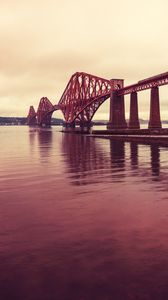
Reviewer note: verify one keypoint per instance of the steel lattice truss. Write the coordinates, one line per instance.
(44, 112)
(83, 96)
(31, 118)
(158, 80)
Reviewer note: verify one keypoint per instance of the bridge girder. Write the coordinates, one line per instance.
(82, 97)
(31, 118)
(44, 112)
(145, 84)
(84, 94)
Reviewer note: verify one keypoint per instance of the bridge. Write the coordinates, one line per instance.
(85, 93)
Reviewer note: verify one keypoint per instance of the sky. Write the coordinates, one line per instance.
(42, 43)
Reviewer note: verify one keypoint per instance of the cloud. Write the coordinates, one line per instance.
(44, 42)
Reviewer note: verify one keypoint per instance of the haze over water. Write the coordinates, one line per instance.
(82, 218)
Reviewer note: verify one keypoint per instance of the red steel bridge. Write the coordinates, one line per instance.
(85, 93)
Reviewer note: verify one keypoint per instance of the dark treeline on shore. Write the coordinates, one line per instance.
(23, 121)
(54, 121)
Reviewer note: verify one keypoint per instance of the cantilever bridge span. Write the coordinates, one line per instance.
(85, 93)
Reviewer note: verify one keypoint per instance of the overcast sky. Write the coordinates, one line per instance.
(44, 42)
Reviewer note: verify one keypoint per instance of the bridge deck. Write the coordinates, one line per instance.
(145, 84)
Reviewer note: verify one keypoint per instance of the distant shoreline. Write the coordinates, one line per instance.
(5, 121)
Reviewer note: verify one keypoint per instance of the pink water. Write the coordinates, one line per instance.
(82, 218)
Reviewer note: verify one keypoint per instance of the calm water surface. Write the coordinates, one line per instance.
(82, 218)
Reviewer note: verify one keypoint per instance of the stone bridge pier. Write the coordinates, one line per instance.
(117, 119)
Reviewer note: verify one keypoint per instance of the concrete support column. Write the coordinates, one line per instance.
(84, 123)
(69, 125)
(86, 127)
(154, 121)
(117, 112)
(134, 120)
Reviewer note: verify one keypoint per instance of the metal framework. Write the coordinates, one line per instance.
(44, 112)
(83, 96)
(145, 84)
(31, 118)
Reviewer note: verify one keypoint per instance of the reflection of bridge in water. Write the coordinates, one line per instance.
(83, 157)
(91, 160)
(42, 140)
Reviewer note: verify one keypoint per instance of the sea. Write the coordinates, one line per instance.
(82, 218)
